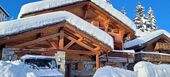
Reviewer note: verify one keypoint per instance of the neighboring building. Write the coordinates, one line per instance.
(153, 47)
(3, 15)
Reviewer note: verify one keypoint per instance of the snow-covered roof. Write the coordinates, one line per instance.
(36, 57)
(139, 33)
(152, 53)
(43, 20)
(124, 51)
(49, 4)
(146, 38)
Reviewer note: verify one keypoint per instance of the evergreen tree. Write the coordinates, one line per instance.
(140, 19)
(151, 20)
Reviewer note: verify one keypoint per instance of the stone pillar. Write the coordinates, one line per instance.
(61, 60)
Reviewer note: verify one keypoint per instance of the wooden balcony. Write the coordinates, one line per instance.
(162, 46)
(164, 58)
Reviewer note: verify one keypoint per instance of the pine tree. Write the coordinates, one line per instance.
(151, 20)
(123, 10)
(140, 19)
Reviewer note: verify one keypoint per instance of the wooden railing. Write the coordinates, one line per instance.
(154, 57)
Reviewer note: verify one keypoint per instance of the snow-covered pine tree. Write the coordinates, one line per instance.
(123, 10)
(152, 26)
(140, 19)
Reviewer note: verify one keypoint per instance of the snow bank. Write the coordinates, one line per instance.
(146, 69)
(141, 69)
(44, 20)
(49, 4)
(109, 71)
(15, 69)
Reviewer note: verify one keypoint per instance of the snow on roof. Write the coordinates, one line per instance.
(48, 4)
(35, 57)
(39, 21)
(146, 38)
(152, 53)
(124, 51)
(139, 33)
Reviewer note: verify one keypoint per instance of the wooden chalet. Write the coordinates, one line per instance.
(58, 31)
(97, 12)
(152, 47)
(78, 32)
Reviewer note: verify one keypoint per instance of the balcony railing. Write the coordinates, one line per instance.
(153, 57)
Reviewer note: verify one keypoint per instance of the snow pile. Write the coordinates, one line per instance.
(146, 69)
(109, 71)
(15, 69)
(141, 69)
(44, 20)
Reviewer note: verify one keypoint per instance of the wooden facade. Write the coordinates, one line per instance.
(155, 58)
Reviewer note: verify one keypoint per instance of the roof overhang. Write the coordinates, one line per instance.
(142, 41)
(18, 26)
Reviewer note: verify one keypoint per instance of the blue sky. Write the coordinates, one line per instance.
(160, 7)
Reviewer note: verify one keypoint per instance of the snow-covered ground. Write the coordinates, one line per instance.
(141, 69)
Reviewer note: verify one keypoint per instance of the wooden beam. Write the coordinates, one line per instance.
(36, 40)
(80, 43)
(69, 44)
(61, 40)
(89, 38)
(51, 50)
(97, 61)
(53, 44)
(85, 9)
